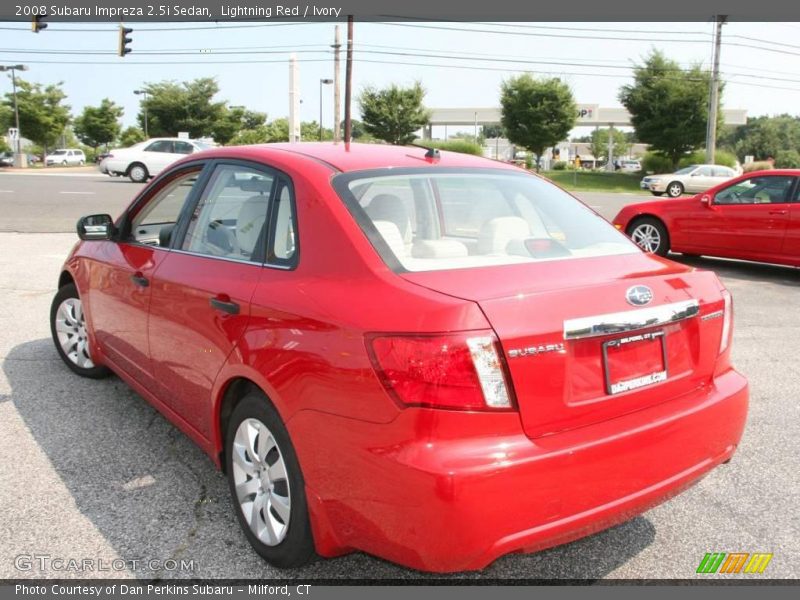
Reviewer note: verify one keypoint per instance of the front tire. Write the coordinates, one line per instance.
(138, 173)
(650, 235)
(68, 327)
(266, 484)
(674, 189)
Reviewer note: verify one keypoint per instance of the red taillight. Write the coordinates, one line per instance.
(457, 371)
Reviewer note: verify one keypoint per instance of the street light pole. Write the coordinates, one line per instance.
(14, 68)
(144, 108)
(321, 83)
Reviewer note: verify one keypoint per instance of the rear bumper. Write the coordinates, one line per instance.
(431, 492)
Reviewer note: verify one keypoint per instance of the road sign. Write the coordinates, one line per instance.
(13, 133)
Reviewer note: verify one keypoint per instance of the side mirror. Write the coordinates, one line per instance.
(705, 200)
(96, 227)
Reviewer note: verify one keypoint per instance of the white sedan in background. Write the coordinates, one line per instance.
(146, 159)
(692, 179)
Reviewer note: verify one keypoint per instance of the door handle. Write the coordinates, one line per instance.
(227, 306)
(778, 212)
(140, 280)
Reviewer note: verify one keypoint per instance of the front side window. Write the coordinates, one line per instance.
(703, 172)
(686, 170)
(475, 218)
(155, 222)
(757, 190)
(230, 219)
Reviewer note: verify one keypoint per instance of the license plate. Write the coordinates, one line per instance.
(635, 361)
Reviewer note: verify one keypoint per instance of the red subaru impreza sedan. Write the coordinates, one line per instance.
(435, 359)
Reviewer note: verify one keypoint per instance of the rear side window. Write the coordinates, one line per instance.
(160, 146)
(439, 219)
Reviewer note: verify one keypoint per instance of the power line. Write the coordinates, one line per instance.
(398, 63)
(553, 35)
(400, 51)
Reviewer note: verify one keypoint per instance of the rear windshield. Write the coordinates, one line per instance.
(439, 219)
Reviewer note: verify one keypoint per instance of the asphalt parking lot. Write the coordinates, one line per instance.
(89, 470)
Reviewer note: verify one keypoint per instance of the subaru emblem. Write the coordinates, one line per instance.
(639, 295)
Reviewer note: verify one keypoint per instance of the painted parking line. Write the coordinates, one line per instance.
(6, 191)
(86, 193)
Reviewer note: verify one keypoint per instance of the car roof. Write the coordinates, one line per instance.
(358, 157)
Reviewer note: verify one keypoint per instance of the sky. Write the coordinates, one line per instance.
(463, 63)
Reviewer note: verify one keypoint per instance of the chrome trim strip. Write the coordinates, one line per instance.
(631, 320)
(712, 315)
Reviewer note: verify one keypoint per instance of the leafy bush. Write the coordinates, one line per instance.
(559, 165)
(462, 146)
(787, 159)
(653, 162)
(698, 157)
(758, 165)
(724, 158)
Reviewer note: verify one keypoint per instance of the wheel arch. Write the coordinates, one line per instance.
(230, 392)
(65, 278)
(644, 215)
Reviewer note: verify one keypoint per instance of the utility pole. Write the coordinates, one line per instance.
(348, 80)
(337, 102)
(19, 159)
(713, 100)
(294, 101)
(144, 109)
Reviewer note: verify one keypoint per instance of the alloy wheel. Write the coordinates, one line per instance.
(261, 482)
(71, 331)
(647, 237)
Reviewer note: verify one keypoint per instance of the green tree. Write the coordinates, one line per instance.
(309, 132)
(599, 141)
(98, 125)
(131, 136)
(763, 137)
(493, 130)
(395, 113)
(43, 116)
(537, 113)
(357, 131)
(187, 106)
(235, 119)
(668, 105)
(787, 159)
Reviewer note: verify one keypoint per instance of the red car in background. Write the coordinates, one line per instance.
(434, 358)
(753, 217)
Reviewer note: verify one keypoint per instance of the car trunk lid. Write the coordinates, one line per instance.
(578, 348)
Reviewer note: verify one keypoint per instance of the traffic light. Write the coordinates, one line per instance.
(37, 23)
(124, 40)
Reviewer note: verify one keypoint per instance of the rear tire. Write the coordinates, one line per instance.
(68, 328)
(650, 235)
(138, 173)
(266, 484)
